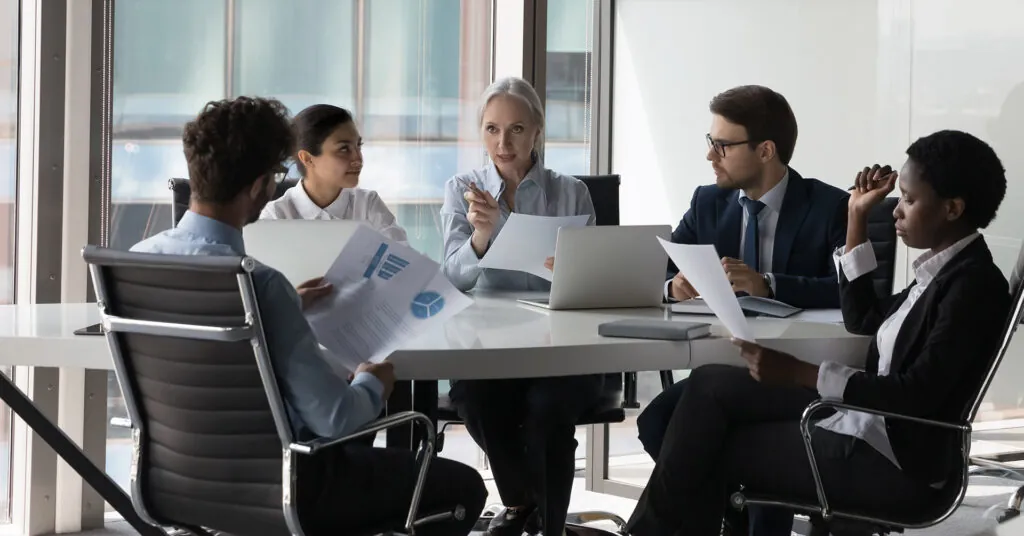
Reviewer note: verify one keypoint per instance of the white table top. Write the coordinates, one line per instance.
(495, 338)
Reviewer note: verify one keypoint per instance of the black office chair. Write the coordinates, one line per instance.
(882, 234)
(213, 448)
(839, 520)
(181, 193)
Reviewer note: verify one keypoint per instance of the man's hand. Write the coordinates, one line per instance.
(772, 367)
(549, 263)
(871, 185)
(681, 289)
(744, 279)
(384, 372)
(311, 291)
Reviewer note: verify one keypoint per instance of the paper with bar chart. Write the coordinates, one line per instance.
(385, 294)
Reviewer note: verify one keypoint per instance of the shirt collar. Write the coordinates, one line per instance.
(773, 198)
(929, 264)
(215, 231)
(494, 184)
(309, 210)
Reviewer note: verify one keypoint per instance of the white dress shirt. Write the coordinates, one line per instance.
(351, 204)
(832, 377)
(767, 223)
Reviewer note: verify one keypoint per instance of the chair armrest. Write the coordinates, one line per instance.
(391, 421)
(831, 403)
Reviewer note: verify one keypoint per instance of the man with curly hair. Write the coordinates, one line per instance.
(235, 151)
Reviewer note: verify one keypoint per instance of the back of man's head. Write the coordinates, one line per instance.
(232, 143)
(765, 114)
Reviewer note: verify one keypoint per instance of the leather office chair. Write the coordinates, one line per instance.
(213, 449)
(839, 520)
(882, 234)
(181, 193)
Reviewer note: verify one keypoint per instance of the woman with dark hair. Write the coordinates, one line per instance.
(930, 351)
(329, 156)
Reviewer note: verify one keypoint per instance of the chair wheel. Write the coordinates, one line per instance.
(1007, 515)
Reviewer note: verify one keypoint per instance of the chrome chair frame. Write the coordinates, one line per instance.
(827, 513)
(251, 330)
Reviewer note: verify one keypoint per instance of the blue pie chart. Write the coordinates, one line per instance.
(427, 304)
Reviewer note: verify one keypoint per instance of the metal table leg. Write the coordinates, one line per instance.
(68, 451)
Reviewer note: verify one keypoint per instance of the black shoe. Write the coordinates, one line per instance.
(514, 522)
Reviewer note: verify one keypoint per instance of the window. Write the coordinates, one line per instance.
(9, 65)
(570, 43)
(411, 72)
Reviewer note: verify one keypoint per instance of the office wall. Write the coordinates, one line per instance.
(864, 78)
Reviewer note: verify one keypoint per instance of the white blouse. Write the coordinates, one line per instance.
(352, 204)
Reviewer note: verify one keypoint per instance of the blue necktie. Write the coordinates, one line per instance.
(752, 238)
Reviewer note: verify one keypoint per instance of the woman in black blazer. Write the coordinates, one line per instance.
(931, 350)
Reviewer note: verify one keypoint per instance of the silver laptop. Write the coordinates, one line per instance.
(299, 249)
(607, 267)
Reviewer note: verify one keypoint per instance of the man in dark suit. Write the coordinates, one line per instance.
(774, 229)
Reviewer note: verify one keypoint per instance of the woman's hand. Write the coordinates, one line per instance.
(776, 368)
(549, 263)
(870, 187)
(483, 216)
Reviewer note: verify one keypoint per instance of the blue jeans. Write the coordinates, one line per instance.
(651, 426)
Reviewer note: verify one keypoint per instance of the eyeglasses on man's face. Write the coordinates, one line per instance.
(719, 146)
(279, 173)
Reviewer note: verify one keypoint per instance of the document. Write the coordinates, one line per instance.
(702, 267)
(525, 242)
(385, 294)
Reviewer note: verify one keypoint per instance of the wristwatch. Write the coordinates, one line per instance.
(768, 285)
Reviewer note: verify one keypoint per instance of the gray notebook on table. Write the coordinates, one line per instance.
(644, 328)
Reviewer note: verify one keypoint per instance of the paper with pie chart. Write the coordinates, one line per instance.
(386, 293)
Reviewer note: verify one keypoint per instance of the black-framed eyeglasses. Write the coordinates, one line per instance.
(279, 173)
(720, 145)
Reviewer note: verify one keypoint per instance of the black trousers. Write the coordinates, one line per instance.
(652, 423)
(527, 429)
(357, 489)
(729, 430)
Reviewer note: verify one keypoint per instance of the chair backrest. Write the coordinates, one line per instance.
(604, 192)
(882, 234)
(209, 425)
(181, 192)
(1009, 328)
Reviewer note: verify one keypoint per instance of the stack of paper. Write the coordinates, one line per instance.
(385, 294)
(526, 241)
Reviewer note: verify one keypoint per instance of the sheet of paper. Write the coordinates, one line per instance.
(386, 293)
(526, 241)
(702, 267)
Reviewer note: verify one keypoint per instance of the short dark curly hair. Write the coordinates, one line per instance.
(957, 164)
(232, 143)
(765, 114)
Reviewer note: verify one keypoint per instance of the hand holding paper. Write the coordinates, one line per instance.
(526, 242)
(702, 267)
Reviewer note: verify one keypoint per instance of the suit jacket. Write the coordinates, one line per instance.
(812, 223)
(942, 355)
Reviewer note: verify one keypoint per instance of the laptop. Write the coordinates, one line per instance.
(299, 249)
(607, 267)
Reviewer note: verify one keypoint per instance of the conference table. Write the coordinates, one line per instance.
(496, 337)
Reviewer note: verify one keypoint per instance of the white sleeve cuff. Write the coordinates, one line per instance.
(832, 379)
(771, 283)
(859, 261)
(668, 286)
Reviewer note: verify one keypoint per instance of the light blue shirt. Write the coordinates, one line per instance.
(541, 193)
(319, 402)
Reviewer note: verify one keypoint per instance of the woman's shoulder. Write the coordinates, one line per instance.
(561, 181)
(280, 208)
(476, 176)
